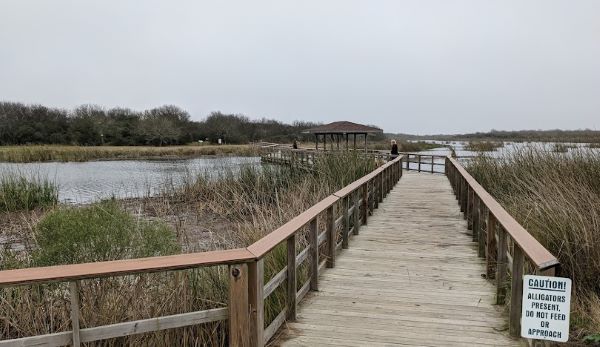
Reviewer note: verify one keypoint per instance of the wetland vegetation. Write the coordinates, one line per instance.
(204, 213)
(556, 197)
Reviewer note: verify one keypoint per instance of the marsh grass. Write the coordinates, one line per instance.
(18, 192)
(483, 146)
(26, 154)
(253, 200)
(556, 197)
(404, 146)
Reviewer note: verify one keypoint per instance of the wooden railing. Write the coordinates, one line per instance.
(507, 247)
(306, 158)
(342, 214)
(431, 163)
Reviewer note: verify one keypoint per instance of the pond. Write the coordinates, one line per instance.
(86, 182)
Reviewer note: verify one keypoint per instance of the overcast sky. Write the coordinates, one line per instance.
(407, 66)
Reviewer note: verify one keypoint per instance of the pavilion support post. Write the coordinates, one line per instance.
(347, 148)
(325, 142)
(317, 142)
(354, 142)
(366, 149)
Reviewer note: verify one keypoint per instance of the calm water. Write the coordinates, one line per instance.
(91, 181)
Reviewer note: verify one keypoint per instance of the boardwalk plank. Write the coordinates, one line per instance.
(411, 278)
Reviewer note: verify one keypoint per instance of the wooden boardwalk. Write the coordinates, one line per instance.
(411, 278)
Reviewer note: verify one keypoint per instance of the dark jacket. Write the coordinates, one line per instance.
(395, 149)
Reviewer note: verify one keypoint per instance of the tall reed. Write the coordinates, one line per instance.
(18, 192)
(556, 197)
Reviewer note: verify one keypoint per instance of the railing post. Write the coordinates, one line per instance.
(74, 289)
(463, 195)
(356, 214)
(380, 197)
(407, 162)
(365, 203)
(419, 159)
(481, 238)
(239, 323)
(314, 255)
(432, 162)
(469, 207)
(375, 193)
(291, 277)
(256, 278)
(516, 291)
(346, 214)
(475, 215)
(331, 238)
(501, 265)
(371, 189)
(491, 258)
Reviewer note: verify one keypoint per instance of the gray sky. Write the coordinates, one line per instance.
(408, 66)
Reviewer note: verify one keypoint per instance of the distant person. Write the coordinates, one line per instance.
(394, 150)
(295, 145)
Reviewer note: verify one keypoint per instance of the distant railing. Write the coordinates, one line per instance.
(304, 158)
(507, 247)
(431, 163)
(343, 213)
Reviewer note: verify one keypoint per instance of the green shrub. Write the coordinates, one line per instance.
(100, 232)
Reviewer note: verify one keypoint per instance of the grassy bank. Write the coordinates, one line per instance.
(247, 204)
(20, 193)
(556, 197)
(25, 154)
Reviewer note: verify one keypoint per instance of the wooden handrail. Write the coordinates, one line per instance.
(481, 208)
(64, 273)
(533, 249)
(270, 241)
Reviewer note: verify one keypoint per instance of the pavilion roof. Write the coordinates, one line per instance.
(343, 127)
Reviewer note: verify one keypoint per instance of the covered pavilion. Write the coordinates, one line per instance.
(340, 131)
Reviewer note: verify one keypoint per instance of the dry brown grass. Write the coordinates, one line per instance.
(556, 197)
(25, 154)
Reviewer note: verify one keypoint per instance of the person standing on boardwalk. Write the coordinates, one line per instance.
(394, 150)
(295, 145)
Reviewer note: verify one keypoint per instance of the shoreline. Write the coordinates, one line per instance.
(51, 153)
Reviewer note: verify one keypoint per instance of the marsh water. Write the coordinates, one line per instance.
(464, 155)
(91, 181)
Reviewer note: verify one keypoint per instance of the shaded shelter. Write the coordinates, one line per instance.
(340, 131)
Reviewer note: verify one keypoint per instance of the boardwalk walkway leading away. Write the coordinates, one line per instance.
(412, 277)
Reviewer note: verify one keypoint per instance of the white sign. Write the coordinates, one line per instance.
(546, 308)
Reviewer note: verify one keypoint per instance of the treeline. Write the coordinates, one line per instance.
(556, 135)
(91, 125)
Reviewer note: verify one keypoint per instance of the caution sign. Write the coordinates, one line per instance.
(546, 308)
